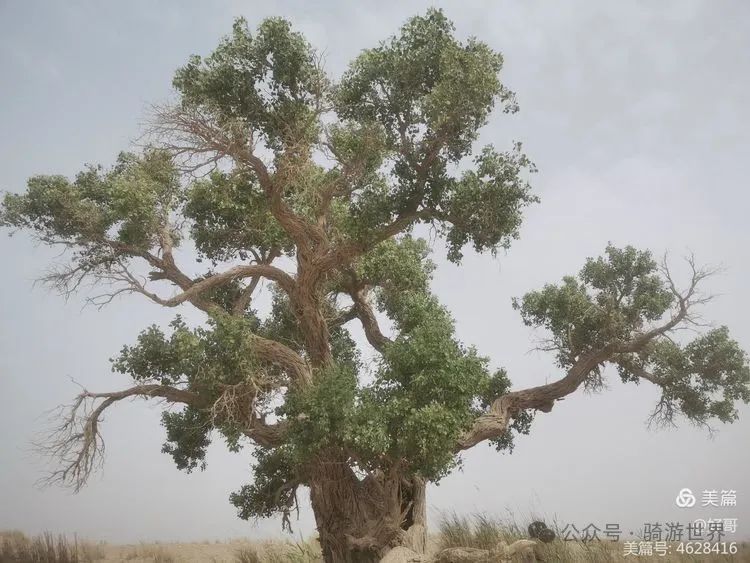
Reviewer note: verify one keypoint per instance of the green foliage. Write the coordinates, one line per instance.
(188, 436)
(395, 266)
(127, 203)
(521, 424)
(270, 81)
(627, 279)
(219, 354)
(484, 207)
(158, 358)
(321, 416)
(281, 325)
(364, 145)
(701, 380)
(230, 215)
(405, 111)
(273, 488)
(424, 82)
(613, 300)
(207, 360)
(613, 297)
(428, 384)
(495, 386)
(421, 98)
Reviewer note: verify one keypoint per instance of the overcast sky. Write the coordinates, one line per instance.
(636, 114)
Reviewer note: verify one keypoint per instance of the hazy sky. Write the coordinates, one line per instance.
(635, 113)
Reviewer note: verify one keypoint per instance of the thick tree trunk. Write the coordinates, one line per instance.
(360, 520)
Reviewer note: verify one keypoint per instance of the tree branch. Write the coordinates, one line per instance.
(344, 253)
(191, 133)
(284, 280)
(236, 405)
(76, 445)
(366, 315)
(267, 435)
(494, 423)
(241, 304)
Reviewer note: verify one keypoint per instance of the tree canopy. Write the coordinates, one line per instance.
(266, 169)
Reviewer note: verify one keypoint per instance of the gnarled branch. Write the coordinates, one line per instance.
(76, 445)
(284, 280)
(366, 315)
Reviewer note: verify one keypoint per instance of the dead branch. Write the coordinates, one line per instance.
(76, 445)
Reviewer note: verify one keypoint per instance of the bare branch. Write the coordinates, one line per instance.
(663, 414)
(193, 136)
(117, 273)
(76, 445)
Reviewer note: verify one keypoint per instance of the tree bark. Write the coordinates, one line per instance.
(360, 520)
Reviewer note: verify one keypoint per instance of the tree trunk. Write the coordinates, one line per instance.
(360, 520)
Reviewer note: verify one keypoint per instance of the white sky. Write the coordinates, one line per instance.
(636, 115)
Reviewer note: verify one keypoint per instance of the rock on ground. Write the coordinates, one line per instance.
(402, 555)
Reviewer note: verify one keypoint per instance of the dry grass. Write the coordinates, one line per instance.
(279, 552)
(235, 551)
(150, 552)
(46, 548)
(478, 531)
(15, 547)
(485, 532)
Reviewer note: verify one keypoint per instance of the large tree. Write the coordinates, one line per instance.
(278, 176)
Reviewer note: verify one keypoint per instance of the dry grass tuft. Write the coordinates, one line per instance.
(15, 547)
(280, 552)
(247, 555)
